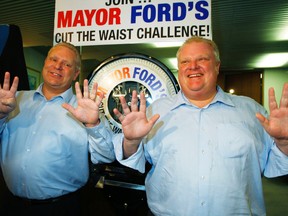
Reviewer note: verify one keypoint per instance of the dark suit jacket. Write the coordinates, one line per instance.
(12, 55)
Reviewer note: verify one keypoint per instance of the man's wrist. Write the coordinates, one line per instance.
(282, 145)
(92, 125)
(130, 147)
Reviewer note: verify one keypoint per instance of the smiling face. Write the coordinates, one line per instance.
(59, 70)
(198, 71)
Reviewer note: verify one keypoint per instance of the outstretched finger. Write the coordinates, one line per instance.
(93, 92)
(78, 91)
(99, 98)
(284, 97)
(263, 121)
(14, 86)
(142, 102)
(85, 89)
(6, 82)
(272, 100)
(153, 119)
(68, 107)
(125, 107)
(119, 115)
(134, 101)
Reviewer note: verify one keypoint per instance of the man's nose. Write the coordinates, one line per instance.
(193, 65)
(59, 65)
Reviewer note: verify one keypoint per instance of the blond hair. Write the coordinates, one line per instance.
(74, 49)
(201, 39)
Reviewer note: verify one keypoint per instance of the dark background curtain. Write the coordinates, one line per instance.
(12, 55)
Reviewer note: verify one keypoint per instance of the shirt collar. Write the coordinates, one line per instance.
(220, 97)
(66, 96)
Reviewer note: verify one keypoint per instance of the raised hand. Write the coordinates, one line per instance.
(7, 95)
(277, 123)
(87, 110)
(135, 124)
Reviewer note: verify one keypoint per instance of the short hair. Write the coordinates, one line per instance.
(74, 49)
(201, 39)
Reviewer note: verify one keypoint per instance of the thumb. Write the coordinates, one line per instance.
(261, 118)
(68, 107)
(263, 121)
(153, 119)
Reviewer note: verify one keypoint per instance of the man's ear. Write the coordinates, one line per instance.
(76, 75)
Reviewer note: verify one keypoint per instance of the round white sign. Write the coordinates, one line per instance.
(120, 75)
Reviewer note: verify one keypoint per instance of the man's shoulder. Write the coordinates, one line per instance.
(165, 101)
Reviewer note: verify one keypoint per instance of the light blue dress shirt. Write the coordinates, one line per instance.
(44, 150)
(206, 161)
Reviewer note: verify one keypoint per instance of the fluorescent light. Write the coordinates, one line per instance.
(167, 44)
(283, 35)
(272, 60)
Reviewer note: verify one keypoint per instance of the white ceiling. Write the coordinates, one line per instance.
(243, 30)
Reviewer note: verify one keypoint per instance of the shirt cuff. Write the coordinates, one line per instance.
(277, 164)
(100, 143)
(100, 129)
(136, 161)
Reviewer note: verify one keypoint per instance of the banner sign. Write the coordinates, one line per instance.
(96, 22)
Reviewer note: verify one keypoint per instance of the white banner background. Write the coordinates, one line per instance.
(96, 22)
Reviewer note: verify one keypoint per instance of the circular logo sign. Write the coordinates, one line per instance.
(120, 75)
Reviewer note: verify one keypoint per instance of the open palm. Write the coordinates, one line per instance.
(87, 110)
